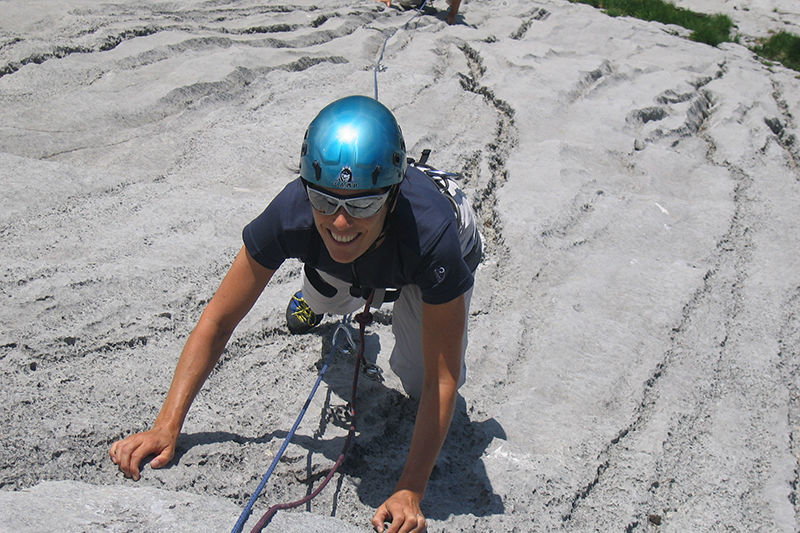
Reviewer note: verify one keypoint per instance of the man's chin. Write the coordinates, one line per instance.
(345, 260)
(344, 254)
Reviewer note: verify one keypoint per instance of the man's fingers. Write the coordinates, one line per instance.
(129, 453)
(411, 524)
(394, 527)
(126, 454)
(399, 524)
(379, 518)
(125, 451)
(117, 453)
(137, 457)
(162, 459)
(403, 511)
(408, 524)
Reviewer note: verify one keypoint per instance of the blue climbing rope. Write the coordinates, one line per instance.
(419, 9)
(248, 509)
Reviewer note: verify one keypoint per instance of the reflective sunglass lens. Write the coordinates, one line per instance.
(358, 207)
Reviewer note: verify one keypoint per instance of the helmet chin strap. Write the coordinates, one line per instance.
(392, 203)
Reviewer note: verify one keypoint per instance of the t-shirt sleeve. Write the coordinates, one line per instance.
(280, 231)
(442, 274)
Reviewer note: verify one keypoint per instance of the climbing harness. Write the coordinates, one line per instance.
(419, 10)
(364, 319)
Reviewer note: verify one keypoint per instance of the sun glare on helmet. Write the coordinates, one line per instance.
(347, 134)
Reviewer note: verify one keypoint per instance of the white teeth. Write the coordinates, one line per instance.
(343, 238)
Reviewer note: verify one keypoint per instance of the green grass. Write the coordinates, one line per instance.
(710, 29)
(783, 47)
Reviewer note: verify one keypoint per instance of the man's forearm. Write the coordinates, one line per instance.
(198, 358)
(443, 328)
(434, 415)
(236, 295)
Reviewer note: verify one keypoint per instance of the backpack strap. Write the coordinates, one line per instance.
(446, 183)
(425, 155)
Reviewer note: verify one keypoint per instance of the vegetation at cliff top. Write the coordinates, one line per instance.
(710, 29)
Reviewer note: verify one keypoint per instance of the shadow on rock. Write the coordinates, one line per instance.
(458, 484)
(385, 422)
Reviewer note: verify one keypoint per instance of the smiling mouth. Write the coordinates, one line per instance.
(343, 239)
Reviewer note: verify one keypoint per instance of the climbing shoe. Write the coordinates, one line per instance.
(299, 316)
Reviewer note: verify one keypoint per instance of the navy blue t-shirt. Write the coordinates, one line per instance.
(421, 245)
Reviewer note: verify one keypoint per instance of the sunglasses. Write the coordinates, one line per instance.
(356, 206)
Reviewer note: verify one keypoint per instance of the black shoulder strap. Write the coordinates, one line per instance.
(425, 155)
(440, 178)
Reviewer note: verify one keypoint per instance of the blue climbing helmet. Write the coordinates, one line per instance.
(353, 143)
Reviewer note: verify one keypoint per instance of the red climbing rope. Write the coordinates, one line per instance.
(364, 318)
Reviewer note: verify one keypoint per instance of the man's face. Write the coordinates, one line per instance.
(345, 236)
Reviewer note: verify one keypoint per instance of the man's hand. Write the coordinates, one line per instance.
(402, 510)
(241, 287)
(129, 453)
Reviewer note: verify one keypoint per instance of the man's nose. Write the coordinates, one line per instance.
(341, 219)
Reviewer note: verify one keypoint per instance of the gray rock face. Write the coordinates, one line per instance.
(74, 506)
(634, 331)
